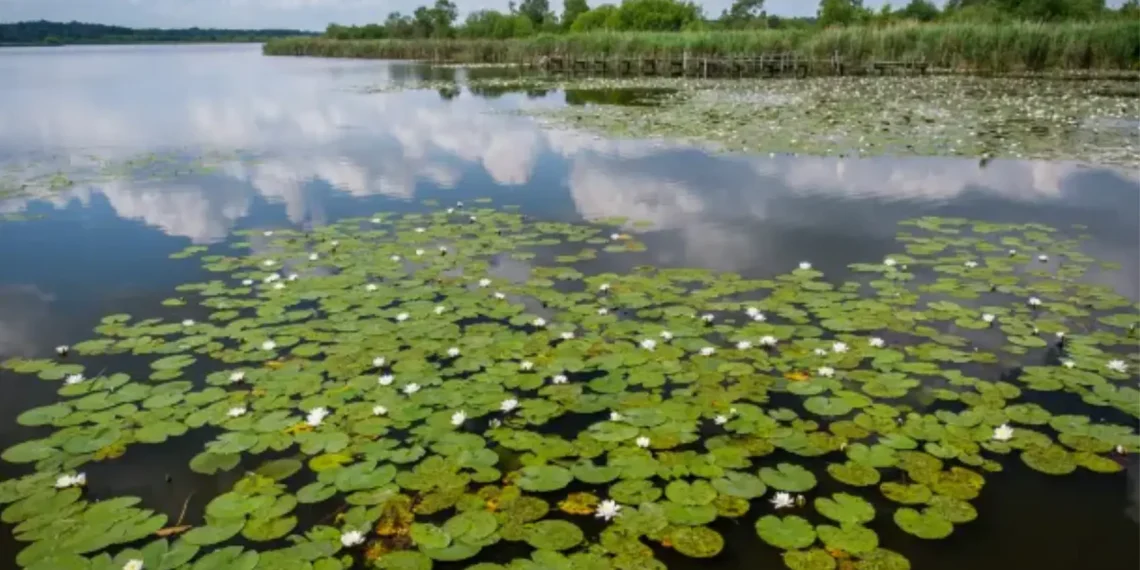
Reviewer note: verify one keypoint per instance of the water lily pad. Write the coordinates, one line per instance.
(845, 509)
(788, 477)
(553, 535)
(429, 536)
(696, 541)
(544, 478)
(926, 524)
(1052, 460)
(814, 559)
(789, 533)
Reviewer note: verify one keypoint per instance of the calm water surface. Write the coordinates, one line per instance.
(309, 147)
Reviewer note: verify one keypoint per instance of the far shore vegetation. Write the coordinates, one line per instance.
(990, 35)
(64, 33)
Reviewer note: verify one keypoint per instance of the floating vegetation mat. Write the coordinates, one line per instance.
(43, 177)
(383, 400)
(1093, 121)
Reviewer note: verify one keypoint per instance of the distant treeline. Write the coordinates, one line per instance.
(535, 17)
(60, 33)
(971, 47)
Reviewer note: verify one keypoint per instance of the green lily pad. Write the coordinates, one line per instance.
(788, 477)
(788, 533)
(696, 541)
(845, 509)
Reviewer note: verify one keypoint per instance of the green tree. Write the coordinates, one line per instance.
(537, 10)
(658, 15)
(604, 17)
(840, 12)
(571, 9)
(921, 10)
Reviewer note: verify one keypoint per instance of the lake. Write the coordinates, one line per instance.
(224, 140)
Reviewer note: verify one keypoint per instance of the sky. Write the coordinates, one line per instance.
(297, 14)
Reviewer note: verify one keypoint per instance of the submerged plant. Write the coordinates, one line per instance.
(436, 436)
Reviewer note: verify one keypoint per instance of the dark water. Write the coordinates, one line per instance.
(314, 148)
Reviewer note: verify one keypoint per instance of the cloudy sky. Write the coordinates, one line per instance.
(303, 14)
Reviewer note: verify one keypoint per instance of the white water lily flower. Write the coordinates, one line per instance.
(335, 242)
(708, 317)
(720, 420)
(1034, 302)
(615, 417)
(411, 389)
(526, 365)
(453, 351)
(768, 340)
(876, 342)
(752, 311)
(826, 371)
(759, 317)
(386, 380)
(73, 379)
(539, 322)
(376, 220)
(494, 423)
(1068, 363)
(805, 265)
(608, 510)
(420, 230)
(484, 282)
(237, 376)
(666, 335)
(473, 218)
(188, 323)
(313, 257)
(272, 277)
(603, 311)
(839, 347)
(379, 410)
(568, 335)
(560, 379)
(783, 500)
(133, 564)
(294, 277)
(1060, 334)
(458, 418)
(1003, 433)
(443, 248)
(708, 351)
(395, 258)
(1117, 366)
(820, 352)
(269, 262)
(378, 362)
(971, 264)
(648, 344)
(988, 317)
(890, 262)
(615, 237)
(402, 317)
(371, 287)
(604, 287)
(352, 538)
(268, 233)
(439, 309)
(1042, 257)
(247, 282)
(743, 345)
(642, 441)
(65, 481)
(500, 296)
(316, 416)
(508, 405)
(268, 345)
(278, 286)
(1013, 252)
(419, 252)
(236, 412)
(451, 210)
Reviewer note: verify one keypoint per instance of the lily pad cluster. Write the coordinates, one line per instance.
(384, 397)
(1092, 121)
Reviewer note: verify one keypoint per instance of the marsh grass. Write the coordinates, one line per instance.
(1015, 47)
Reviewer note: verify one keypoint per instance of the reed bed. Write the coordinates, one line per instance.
(1026, 46)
